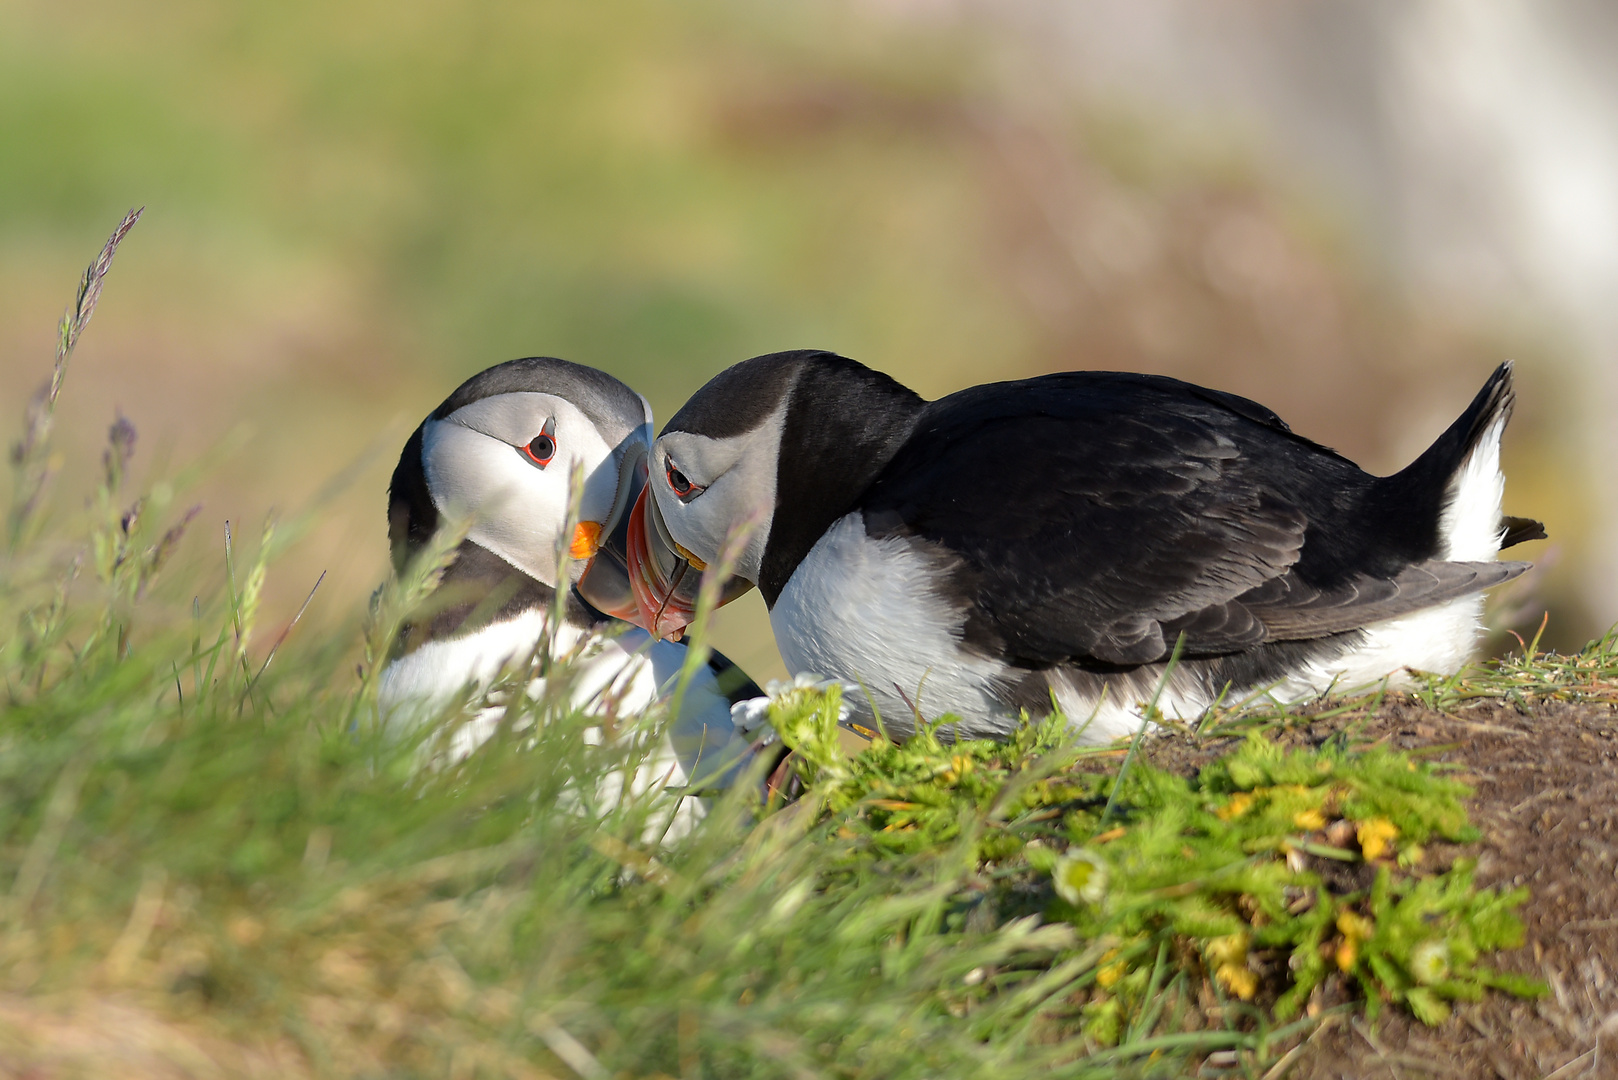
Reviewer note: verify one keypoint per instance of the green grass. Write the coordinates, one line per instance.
(234, 847)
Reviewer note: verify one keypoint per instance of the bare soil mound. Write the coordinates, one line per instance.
(1546, 799)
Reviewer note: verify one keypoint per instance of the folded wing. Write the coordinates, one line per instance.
(1096, 517)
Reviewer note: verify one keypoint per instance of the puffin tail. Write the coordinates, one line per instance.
(1459, 476)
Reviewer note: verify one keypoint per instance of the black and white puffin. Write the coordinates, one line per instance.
(1051, 539)
(499, 452)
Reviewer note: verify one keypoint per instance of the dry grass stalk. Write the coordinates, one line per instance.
(30, 454)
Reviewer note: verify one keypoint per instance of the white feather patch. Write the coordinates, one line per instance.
(867, 611)
(1470, 525)
(624, 675)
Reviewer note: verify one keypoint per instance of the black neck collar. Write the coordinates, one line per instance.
(480, 588)
(843, 423)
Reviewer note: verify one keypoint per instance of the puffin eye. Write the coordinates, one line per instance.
(543, 446)
(681, 486)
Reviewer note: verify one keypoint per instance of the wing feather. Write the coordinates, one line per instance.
(1095, 517)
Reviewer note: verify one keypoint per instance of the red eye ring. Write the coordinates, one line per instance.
(541, 450)
(678, 482)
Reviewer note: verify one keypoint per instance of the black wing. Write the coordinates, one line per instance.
(1096, 516)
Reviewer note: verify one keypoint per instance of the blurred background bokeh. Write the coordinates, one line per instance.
(1351, 212)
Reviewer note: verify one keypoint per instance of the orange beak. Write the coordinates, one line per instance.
(637, 571)
(586, 540)
(604, 585)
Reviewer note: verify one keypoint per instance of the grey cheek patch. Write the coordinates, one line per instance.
(741, 476)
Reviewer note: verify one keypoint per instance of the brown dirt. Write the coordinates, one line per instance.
(1546, 802)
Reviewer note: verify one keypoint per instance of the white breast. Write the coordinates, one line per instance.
(869, 611)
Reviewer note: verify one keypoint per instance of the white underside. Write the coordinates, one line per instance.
(626, 675)
(864, 610)
(1440, 639)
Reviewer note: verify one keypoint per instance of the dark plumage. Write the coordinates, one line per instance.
(1098, 515)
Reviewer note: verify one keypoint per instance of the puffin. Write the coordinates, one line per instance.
(1078, 542)
(499, 453)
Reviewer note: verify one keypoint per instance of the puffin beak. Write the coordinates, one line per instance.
(666, 578)
(586, 540)
(665, 583)
(605, 582)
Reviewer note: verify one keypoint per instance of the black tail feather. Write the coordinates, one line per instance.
(1521, 530)
(1419, 492)
(1494, 402)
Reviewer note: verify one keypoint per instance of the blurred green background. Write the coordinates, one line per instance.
(353, 206)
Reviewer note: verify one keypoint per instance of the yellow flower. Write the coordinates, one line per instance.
(1108, 976)
(1347, 951)
(1229, 957)
(1374, 837)
(1238, 805)
(1238, 980)
(1354, 925)
(1229, 949)
(1310, 819)
(1355, 929)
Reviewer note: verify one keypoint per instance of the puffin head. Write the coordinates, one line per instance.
(500, 452)
(782, 445)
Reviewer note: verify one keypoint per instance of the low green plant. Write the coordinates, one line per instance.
(1267, 872)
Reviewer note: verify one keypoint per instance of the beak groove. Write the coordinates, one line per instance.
(664, 583)
(638, 572)
(665, 576)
